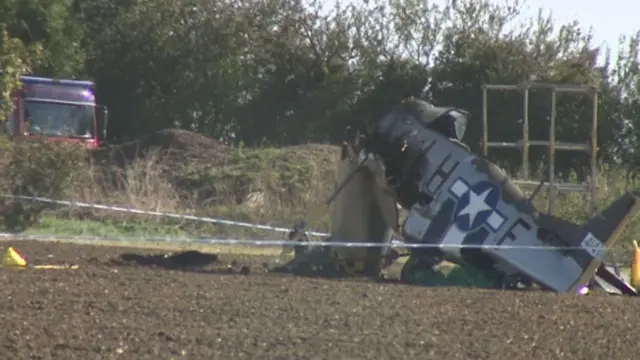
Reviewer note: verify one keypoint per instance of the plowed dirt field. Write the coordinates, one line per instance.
(109, 310)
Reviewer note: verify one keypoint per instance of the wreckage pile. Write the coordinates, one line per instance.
(462, 209)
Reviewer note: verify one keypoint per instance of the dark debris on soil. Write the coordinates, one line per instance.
(179, 260)
(105, 310)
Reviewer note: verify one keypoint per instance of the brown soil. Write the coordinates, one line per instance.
(181, 146)
(110, 310)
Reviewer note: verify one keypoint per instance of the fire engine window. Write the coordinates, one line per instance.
(56, 119)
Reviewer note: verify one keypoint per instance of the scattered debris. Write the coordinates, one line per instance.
(185, 259)
(245, 270)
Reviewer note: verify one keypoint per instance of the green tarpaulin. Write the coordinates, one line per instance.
(459, 275)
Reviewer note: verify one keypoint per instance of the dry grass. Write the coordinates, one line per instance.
(141, 185)
(271, 186)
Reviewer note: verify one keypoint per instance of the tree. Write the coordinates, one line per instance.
(39, 37)
(288, 72)
(52, 26)
(477, 49)
(161, 63)
(16, 59)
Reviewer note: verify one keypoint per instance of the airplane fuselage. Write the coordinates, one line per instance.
(470, 211)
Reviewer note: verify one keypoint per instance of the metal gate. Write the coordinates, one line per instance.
(525, 143)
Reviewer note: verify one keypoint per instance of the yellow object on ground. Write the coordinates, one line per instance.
(56, 267)
(13, 259)
(635, 266)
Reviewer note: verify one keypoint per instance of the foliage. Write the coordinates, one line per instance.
(268, 73)
(289, 176)
(41, 168)
(16, 60)
(285, 73)
(292, 72)
(51, 26)
(37, 37)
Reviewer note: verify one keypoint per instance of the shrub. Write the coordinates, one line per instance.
(39, 168)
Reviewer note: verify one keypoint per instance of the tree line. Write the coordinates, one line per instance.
(283, 72)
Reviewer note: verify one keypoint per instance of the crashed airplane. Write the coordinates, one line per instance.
(463, 208)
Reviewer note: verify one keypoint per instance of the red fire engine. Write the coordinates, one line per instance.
(58, 110)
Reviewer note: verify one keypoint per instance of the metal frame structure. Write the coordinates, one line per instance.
(525, 143)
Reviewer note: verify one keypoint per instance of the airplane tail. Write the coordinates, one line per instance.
(601, 232)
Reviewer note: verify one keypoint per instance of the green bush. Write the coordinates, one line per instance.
(38, 168)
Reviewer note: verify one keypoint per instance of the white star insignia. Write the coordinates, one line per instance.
(477, 204)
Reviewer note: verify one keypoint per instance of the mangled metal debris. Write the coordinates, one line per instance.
(462, 206)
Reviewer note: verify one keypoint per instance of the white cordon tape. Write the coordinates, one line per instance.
(245, 242)
(248, 242)
(157, 213)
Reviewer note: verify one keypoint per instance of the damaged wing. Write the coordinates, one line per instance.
(362, 211)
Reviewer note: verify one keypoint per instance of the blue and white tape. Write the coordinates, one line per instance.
(242, 242)
(160, 214)
(273, 243)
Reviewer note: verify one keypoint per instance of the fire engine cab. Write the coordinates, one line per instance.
(57, 110)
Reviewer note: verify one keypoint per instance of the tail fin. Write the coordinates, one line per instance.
(601, 232)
